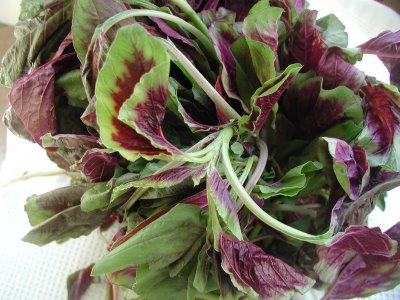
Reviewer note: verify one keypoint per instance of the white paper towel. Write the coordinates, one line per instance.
(33, 273)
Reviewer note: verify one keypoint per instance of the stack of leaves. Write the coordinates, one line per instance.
(233, 143)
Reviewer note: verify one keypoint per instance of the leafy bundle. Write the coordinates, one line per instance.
(233, 142)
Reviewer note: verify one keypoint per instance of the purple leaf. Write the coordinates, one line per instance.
(369, 274)
(78, 283)
(306, 45)
(313, 110)
(365, 240)
(132, 89)
(359, 240)
(253, 271)
(33, 96)
(336, 71)
(98, 165)
(299, 5)
(218, 192)
(381, 135)
(350, 166)
(164, 179)
(384, 45)
(387, 47)
(224, 34)
(170, 32)
(67, 149)
(199, 199)
(267, 96)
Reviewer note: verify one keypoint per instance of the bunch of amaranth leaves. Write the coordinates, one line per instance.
(233, 143)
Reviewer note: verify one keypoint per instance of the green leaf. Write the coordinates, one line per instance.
(218, 193)
(32, 36)
(72, 84)
(131, 93)
(69, 223)
(292, 182)
(98, 197)
(255, 65)
(176, 267)
(204, 280)
(261, 24)
(88, 14)
(31, 8)
(333, 31)
(159, 244)
(157, 284)
(265, 98)
(42, 207)
(380, 201)
(125, 277)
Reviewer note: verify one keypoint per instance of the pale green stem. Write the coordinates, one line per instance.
(173, 164)
(29, 175)
(244, 176)
(247, 169)
(202, 82)
(188, 10)
(258, 211)
(295, 209)
(204, 39)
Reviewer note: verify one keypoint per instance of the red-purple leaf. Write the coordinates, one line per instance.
(267, 96)
(313, 110)
(255, 272)
(33, 96)
(218, 192)
(336, 71)
(350, 166)
(98, 165)
(164, 179)
(306, 45)
(199, 199)
(78, 283)
(359, 240)
(386, 46)
(365, 240)
(224, 34)
(132, 89)
(381, 135)
(366, 275)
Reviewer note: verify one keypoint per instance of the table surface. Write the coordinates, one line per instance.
(30, 272)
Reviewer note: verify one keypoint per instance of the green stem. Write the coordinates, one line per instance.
(202, 82)
(29, 175)
(258, 211)
(244, 176)
(191, 14)
(294, 208)
(142, 3)
(204, 39)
